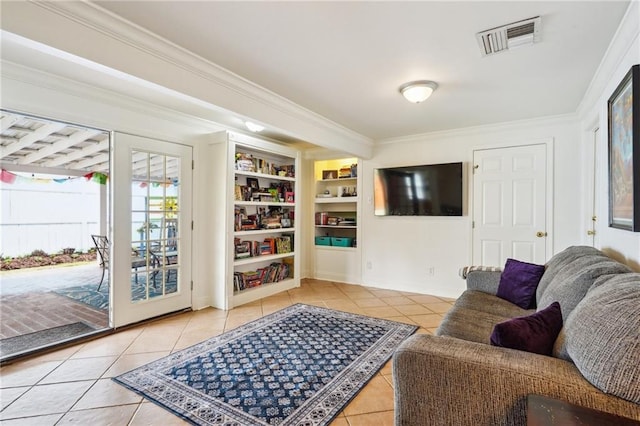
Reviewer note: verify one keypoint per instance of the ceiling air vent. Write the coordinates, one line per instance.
(509, 36)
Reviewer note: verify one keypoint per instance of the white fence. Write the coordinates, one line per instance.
(48, 216)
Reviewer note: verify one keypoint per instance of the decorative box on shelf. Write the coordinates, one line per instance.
(341, 241)
(323, 241)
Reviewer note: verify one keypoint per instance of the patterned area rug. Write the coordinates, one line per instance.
(298, 366)
(90, 295)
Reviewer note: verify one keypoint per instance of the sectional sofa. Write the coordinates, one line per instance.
(467, 375)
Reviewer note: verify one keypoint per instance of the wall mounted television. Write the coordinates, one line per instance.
(423, 190)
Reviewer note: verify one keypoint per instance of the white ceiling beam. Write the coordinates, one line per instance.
(41, 170)
(102, 168)
(78, 154)
(8, 120)
(27, 140)
(90, 162)
(67, 142)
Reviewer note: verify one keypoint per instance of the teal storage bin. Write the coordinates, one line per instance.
(323, 241)
(341, 241)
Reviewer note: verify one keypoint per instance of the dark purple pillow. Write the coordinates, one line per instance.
(534, 333)
(518, 283)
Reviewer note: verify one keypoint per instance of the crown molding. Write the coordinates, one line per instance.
(186, 123)
(108, 24)
(533, 123)
(627, 34)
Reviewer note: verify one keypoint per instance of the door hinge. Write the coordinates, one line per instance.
(191, 285)
(193, 164)
(192, 225)
(473, 224)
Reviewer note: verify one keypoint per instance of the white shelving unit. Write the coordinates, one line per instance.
(337, 214)
(255, 216)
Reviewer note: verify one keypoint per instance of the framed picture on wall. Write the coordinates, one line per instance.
(624, 153)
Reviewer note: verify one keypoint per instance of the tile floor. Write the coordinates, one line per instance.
(74, 386)
(28, 302)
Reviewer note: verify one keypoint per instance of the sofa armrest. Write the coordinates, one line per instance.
(485, 281)
(447, 381)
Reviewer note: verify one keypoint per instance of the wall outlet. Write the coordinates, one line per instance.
(369, 265)
(431, 271)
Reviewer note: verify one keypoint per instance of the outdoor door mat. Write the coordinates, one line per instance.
(24, 342)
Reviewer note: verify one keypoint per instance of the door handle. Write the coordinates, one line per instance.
(541, 234)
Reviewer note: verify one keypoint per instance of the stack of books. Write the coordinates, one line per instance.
(270, 274)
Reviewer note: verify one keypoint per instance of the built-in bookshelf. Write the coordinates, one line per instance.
(336, 215)
(261, 227)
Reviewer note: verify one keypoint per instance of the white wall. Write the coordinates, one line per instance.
(48, 216)
(623, 52)
(401, 250)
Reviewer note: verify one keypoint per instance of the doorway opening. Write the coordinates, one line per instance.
(54, 286)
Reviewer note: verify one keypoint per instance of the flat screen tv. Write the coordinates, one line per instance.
(425, 190)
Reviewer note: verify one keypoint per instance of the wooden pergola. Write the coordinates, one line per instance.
(36, 145)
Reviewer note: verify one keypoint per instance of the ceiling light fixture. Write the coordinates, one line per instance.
(418, 91)
(253, 126)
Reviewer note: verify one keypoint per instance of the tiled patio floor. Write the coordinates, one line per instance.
(29, 304)
(30, 312)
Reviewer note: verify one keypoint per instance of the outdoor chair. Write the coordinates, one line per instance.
(137, 260)
(102, 247)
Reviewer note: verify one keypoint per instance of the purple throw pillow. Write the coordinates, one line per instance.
(534, 333)
(518, 283)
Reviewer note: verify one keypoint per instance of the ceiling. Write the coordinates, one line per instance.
(346, 60)
(31, 143)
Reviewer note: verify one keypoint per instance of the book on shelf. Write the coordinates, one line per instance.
(272, 273)
(270, 245)
(283, 244)
(242, 249)
(265, 248)
(322, 218)
(246, 162)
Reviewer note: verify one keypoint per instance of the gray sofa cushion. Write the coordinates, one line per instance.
(559, 261)
(484, 302)
(571, 283)
(603, 336)
(475, 314)
(484, 281)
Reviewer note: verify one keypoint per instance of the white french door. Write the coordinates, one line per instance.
(151, 211)
(510, 205)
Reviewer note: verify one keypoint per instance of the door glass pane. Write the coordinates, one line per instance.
(154, 234)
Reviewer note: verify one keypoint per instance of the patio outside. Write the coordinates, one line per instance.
(44, 306)
(54, 187)
(53, 195)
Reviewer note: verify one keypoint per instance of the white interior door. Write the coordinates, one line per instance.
(151, 253)
(509, 205)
